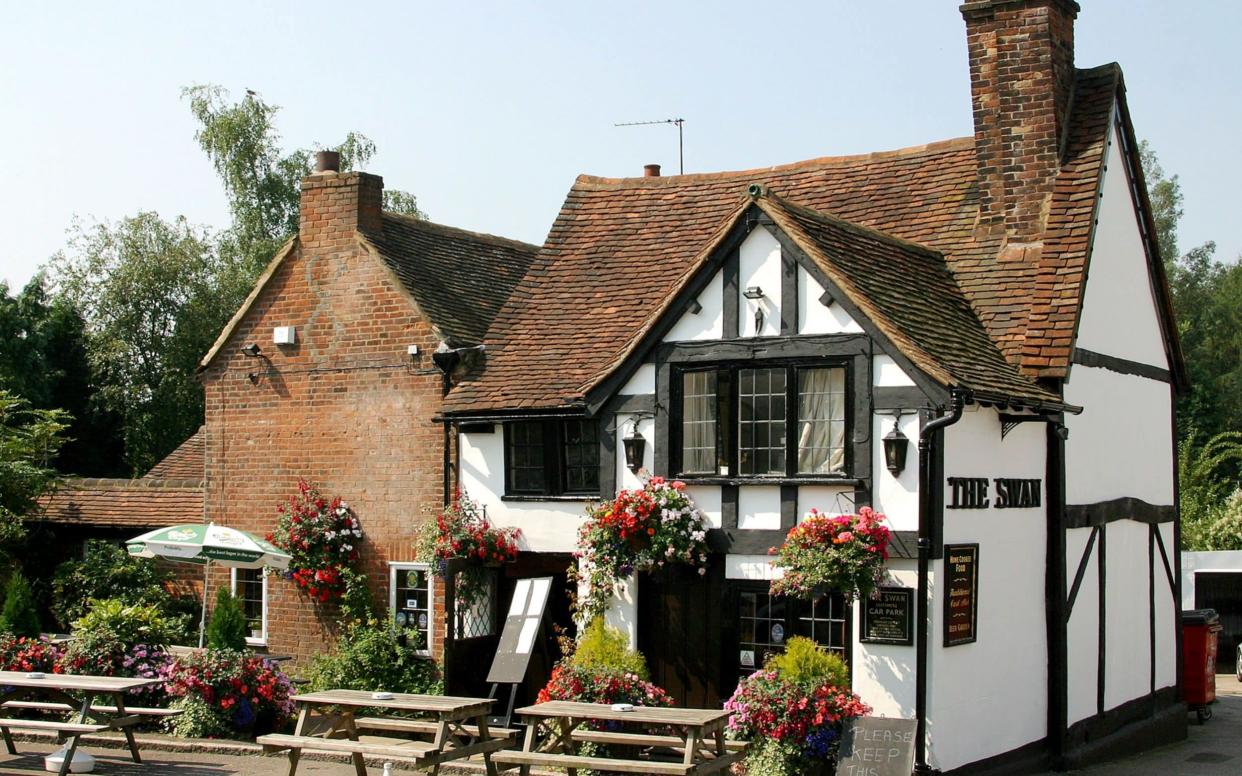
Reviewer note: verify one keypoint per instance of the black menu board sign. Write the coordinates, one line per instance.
(877, 746)
(961, 595)
(888, 616)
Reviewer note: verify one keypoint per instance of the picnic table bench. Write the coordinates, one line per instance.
(458, 727)
(554, 729)
(57, 693)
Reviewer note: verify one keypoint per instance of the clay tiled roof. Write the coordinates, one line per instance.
(184, 463)
(137, 503)
(939, 332)
(460, 279)
(1061, 278)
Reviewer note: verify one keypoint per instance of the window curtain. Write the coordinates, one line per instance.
(698, 422)
(821, 421)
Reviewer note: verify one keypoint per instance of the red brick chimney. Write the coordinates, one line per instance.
(1021, 78)
(335, 204)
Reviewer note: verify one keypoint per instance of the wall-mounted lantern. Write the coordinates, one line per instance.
(635, 445)
(895, 446)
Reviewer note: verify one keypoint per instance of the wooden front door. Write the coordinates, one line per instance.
(681, 621)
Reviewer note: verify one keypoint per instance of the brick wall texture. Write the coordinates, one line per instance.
(345, 407)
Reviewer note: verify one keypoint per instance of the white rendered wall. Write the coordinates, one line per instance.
(547, 526)
(641, 383)
(759, 506)
(708, 499)
(991, 696)
(1119, 312)
(1167, 612)
(752, 567)
(816, 318)
(897, 497)
(1083, 630)
(828, 499)
(886, 373)
(627, 479)
(883, 675)
(1122, 443)
(1127, 609)
(708, 322)
(759, 264)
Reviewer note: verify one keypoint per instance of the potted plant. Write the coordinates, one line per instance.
(843, 553)
(322, 535)
(462, 542)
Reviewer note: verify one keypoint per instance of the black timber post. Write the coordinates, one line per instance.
(1057, 613)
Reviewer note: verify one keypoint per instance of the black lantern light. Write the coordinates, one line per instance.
(895, 446)
(635, 445)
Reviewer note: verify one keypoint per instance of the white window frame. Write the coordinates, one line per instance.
(393, 568)
(262, 640)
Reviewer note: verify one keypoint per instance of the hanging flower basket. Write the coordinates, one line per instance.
(322, 536)
(639, 530)
(845, 554)
(463, 542)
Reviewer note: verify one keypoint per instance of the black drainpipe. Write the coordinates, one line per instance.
(958, 399)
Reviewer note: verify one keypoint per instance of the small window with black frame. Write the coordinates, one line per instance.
(412, 601)
(763, 422)
(766, 622)
(250, 590)
(555, 457)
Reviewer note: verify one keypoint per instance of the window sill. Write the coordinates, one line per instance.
(250, 642)
(578, 498)
(709, 480)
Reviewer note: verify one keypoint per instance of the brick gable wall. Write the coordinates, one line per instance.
(345, 407)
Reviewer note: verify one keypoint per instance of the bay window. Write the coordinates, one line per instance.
(766, 421)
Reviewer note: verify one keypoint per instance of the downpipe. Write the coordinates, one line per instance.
(926, 434)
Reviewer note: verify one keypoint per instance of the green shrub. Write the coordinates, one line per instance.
(605, 648)
(107, 571)
(373, 656)
(200, 719)
(110, 630)
(804, 663)
(19, 616)
(227, 627)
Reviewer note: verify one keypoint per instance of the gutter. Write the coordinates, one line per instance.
(958, 399)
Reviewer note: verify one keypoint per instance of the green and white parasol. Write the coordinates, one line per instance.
(205, 544)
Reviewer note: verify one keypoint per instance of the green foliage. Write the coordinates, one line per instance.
(373, 656)
(108, 571)
(227, 627)
(1205, 486)
(770, 757)
(19, 616)
(602, 647)
(1221, 530)
(29, 440)
(200, 719)
(357, 605)
(103, 636)
(805, 664)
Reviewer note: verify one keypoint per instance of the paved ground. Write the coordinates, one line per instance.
(1213, 749)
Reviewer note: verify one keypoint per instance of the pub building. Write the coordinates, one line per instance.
(972, 336)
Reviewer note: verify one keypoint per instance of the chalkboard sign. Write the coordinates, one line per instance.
(888, 616)
(877, 746)
(961, 595)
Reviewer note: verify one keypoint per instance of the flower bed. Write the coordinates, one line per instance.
(587, 685)
(228, 694)
(20, 653)
(639, 530)
(845, 553)
(322, 535)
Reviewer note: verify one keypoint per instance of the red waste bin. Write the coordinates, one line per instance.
(1199, 635)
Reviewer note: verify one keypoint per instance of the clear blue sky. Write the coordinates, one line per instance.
(487, 110)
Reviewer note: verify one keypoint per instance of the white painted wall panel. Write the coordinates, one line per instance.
(752, 567)
(814, 317)
(547, 526)
(759, 506)
(707, 499)
(1127, 612)
(1121, 444)
(1083, 630)
(627, 479)
(897, 497)
(708, 322)
(759, 264)
(883, 674)
(886, 373)
(1167, 611)
(828, 499)
(642, 382)
(1119, 312)
(972, 712)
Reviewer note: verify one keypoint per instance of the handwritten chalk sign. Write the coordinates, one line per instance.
(961, 599)
(877, 746)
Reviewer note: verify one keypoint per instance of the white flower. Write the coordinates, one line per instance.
(702, 571)
(347, 547)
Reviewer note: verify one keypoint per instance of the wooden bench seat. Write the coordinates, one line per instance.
(48, 706)
(414, 750)
(67, 728)
(643, 739)
(425, 726)
(513, 757)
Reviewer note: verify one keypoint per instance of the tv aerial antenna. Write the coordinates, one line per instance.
(681, 156)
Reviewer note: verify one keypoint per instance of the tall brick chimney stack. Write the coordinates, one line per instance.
(335, 204)
(1021, 78)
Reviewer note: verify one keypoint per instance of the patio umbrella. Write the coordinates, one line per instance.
(207, 543)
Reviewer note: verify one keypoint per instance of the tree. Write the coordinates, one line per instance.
(19, 616)
(29, 441)
(227, 628)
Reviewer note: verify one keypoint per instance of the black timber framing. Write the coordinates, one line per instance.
(789, 293)
(1057, 607)
(1101, 557)
(1177, 537)
(909, 398)
(1081, 573)
(1168, 570)
(1151, 600)
(1125, 508)
(730, 303)
(1123, 366)
(752, 541)
(1138, 724)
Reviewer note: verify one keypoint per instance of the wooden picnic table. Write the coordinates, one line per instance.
(457, 726)
(77, 691)
(555, 728)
